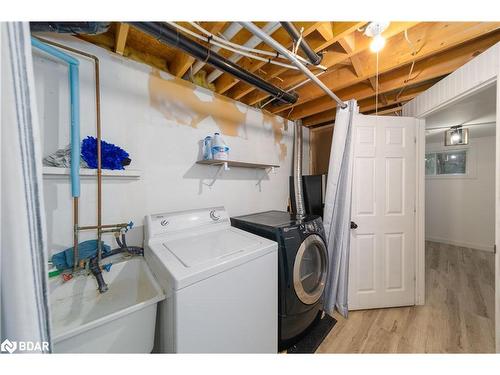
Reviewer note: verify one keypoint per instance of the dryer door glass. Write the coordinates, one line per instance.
(309, 271)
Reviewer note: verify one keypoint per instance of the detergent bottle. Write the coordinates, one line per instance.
(220, 150)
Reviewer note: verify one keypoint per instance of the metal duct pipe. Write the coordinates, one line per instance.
(297, 170)
(169, 35)
(312, 56)
(277, 46)
(71, 27)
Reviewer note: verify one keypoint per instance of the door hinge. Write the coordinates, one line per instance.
(415, 140)
(494, 248)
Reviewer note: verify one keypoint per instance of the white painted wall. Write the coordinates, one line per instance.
(461, 210)
(164, 150)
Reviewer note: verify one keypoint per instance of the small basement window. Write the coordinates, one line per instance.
(446, 163)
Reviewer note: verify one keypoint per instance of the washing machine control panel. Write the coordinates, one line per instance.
(314, 226)
(178, 222)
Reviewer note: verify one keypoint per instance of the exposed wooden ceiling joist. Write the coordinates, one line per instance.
(339, 30)
(427, 38)
(438, 48)
(423, 70)
(334, 57)
(388, 111)
(121, 37)
(369, 103)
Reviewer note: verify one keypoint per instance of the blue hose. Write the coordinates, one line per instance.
(74, 83)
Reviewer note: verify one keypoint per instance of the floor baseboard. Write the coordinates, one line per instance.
(462, 244)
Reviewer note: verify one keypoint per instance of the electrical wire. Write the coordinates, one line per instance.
(293, 87)
(252, 56)
(413, 53)
(245, 48)
(297, 44)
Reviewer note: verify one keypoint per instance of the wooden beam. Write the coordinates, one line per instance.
(368, 104)
(326, 30)
(181, 63)
(434, 66)
(348, 43)
(121, 37)
(388, 111)
(357, 65)
(107, 41)
(428, 39)
(334, 57)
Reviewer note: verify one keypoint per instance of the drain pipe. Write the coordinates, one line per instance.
(297, 171)
(75, 132)
(312, 56)
(92, 28)
(167, 34)
(284, 51)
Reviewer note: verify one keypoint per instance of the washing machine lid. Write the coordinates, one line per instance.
(188, 260)
(209, 247)
(193, 252)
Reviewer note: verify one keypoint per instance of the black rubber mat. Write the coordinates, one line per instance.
(313, 339)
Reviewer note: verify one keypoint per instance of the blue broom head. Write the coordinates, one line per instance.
(112, 156)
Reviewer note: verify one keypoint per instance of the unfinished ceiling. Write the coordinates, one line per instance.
(415, 57)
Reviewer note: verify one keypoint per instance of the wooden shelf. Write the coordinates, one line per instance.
(240, 164)
(55, 172)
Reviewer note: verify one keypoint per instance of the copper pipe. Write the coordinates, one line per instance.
(89, 227)
(75, 234)
(99, 160)
(98, 136)
(110, 230)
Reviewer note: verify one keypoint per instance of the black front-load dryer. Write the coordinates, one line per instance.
(302, 267)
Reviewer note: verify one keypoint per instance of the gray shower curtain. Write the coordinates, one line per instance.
(337, 212)
(24, 308)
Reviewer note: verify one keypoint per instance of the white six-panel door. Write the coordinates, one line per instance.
(382, 253)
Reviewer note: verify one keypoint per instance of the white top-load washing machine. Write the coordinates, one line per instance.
(221, 284)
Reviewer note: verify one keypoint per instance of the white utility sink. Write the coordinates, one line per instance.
(122, 320)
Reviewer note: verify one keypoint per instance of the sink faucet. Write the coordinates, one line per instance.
(95, 268)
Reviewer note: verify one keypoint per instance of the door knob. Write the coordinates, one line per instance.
(354, 225)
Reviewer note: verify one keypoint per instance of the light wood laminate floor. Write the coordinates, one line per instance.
(458, 315)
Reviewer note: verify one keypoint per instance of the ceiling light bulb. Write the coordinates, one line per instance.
(377, 43)
(455, 137)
